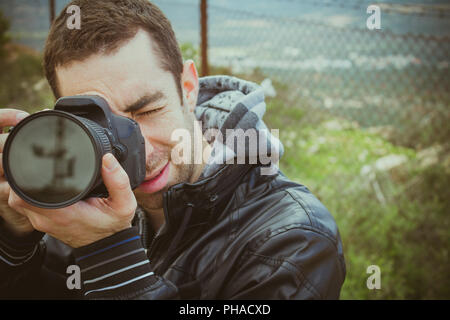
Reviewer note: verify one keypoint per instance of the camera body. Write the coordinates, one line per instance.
(127, 142)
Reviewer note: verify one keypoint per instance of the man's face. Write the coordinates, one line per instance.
(134, 85)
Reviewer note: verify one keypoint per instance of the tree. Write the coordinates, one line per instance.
(4, 38)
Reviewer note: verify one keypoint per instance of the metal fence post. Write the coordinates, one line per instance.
(204, 36)
(51, 4)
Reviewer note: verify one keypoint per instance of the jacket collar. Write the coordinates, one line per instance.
(207, 197)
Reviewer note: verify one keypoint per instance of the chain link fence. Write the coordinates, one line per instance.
(396, 77)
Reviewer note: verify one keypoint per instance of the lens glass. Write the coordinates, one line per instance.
(52, 159)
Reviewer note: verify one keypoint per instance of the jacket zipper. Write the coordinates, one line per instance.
(153, 243)
(152, 246)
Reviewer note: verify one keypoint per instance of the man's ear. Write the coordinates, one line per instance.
(189, 84)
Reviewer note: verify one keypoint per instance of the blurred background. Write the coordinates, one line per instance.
(363, 114)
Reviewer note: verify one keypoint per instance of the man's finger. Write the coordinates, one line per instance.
(118, 184)
(18, 204)
(4, 190)
(10, 117)
(3, 138)
(38, 221)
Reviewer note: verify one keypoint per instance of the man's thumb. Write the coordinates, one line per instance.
(117, 183)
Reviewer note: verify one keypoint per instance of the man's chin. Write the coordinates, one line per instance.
(150, 201)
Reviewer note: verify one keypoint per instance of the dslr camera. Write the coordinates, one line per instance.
(53, 158)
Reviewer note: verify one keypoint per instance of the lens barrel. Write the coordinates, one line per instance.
(53, 158)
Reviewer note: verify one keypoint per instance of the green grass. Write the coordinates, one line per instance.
(314, 154)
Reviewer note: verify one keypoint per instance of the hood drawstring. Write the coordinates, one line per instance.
(179, 235)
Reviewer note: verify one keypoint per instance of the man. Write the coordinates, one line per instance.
(209, 229)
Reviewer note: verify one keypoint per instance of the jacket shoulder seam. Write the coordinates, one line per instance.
(309, 212)
(302, 204)
(296, 225)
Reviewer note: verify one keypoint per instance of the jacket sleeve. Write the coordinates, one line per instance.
(112, 268)
(289, 263)
(20, 261)
(117, 267)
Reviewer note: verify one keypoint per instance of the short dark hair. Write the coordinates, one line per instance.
(105, 26)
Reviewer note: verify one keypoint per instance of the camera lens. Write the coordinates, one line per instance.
(52, 158)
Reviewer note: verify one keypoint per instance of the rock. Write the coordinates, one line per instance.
(429, 156)
(386, 163)
(390, 161)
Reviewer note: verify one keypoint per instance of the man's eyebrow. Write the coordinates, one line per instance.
(143, 101)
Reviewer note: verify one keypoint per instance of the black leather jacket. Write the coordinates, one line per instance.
(235, 235)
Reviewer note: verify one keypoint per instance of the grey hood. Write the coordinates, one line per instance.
(225, 103)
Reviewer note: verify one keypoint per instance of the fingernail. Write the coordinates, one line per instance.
(21, 116)
(110, 162)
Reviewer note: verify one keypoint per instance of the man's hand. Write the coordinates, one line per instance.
(86, 221)
(15, 222)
